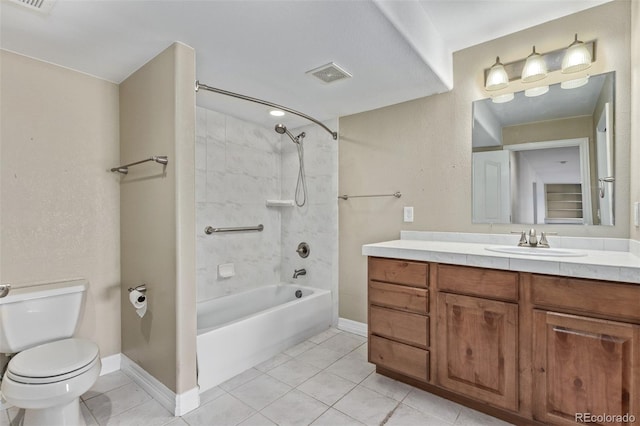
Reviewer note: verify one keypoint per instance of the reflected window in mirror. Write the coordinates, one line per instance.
(546, 159)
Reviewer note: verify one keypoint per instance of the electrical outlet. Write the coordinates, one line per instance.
(636, 214)
(408, 214)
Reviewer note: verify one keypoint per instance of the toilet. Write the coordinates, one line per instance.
(51, 369)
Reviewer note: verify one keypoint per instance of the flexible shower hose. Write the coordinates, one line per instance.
(301, 185)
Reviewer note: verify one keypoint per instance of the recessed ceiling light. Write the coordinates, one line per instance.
(276, 113)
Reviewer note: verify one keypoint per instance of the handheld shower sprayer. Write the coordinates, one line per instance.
(282, 129)
(301, 185)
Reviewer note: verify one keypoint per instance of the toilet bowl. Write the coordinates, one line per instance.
(47, 380)
(51, 369)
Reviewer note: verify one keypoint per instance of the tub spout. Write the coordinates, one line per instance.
(299, 272)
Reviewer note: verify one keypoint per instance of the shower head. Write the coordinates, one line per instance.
(282, 129)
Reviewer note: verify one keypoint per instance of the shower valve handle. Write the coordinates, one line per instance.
(303, 250)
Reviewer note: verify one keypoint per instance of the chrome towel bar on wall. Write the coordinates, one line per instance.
(210, 230)
(160, 159)
(396, 194)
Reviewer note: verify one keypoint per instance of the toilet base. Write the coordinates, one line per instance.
(68, 414)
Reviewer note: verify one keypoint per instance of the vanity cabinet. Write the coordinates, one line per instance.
(477, 346)
(399, 316)
(530, 348)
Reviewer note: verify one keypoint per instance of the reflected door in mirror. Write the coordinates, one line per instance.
(491, 200)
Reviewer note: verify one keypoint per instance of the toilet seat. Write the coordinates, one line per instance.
(53, 362)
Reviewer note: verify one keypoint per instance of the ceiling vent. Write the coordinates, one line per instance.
(329, 73)
(42, 6)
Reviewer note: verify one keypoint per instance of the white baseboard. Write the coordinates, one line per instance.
(110, 364)
(178, 404)
(187, 401)
(354, 327)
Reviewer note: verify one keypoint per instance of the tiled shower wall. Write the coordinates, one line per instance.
(316, 223)
(239, 165)
(237, 169)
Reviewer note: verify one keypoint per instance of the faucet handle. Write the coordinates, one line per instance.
(543, 240)
(4, 289)
(523, 238)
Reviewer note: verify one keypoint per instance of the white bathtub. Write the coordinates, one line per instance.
(239, 331)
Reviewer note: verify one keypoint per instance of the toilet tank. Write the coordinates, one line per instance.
(38, 314)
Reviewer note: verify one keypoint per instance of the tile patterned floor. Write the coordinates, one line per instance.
(324, 381)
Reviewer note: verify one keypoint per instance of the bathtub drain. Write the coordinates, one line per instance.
(298, 294)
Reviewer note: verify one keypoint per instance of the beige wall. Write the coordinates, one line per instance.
(157, 117)
(567, 128)
(59, 203)
(635, 112)
(423, 147)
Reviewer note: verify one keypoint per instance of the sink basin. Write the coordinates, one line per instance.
(536, 251)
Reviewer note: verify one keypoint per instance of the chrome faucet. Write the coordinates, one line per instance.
(298, 272)
(533, 240)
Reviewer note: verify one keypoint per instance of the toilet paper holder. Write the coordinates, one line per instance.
(142, 289)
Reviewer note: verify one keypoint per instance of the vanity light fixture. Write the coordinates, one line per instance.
(535, 68)
(577, 57)
(573, 59)
(497, 78)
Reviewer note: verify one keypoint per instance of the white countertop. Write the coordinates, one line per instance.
(596, 264)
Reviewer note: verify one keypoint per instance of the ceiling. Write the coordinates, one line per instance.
(396, 50)
(554, 165)
(556, 104)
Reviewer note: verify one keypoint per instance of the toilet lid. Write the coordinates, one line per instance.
(53, 359)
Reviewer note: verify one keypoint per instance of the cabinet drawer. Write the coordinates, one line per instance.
(590, 296)
(402, 326)
(398, 271)
(404, 359)
(398, 296)
(478, 282)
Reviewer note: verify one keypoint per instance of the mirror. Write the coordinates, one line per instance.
(546, 159)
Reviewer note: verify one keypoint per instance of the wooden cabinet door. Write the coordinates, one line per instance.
(584, 366)
(477, 348)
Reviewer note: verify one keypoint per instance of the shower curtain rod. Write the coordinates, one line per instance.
(262, 102)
